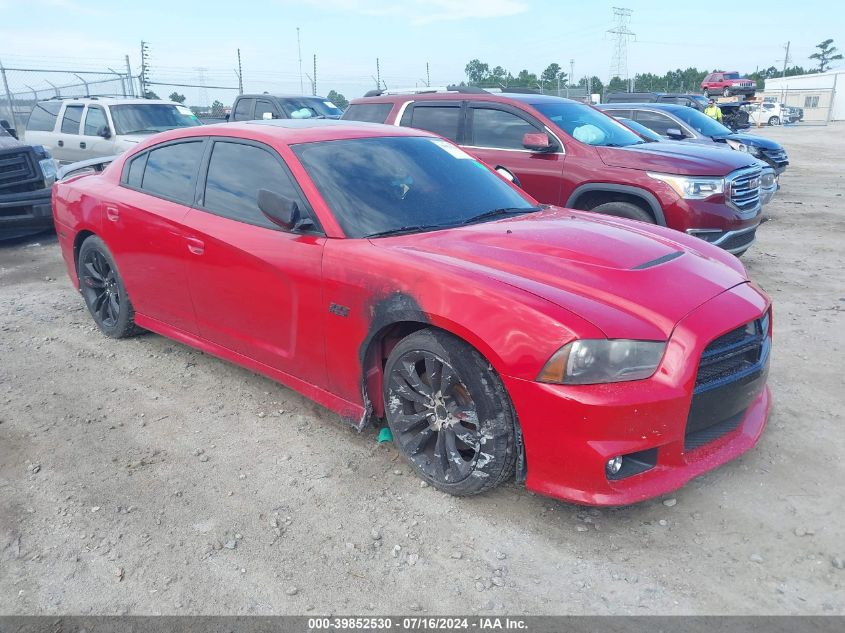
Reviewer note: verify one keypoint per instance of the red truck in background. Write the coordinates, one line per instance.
(728, 84)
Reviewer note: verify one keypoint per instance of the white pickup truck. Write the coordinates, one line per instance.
(84, 128)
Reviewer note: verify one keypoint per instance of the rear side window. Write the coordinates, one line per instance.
(236, 172)
(498, 129)
(442, 120)
(135, 172)
(71, 119)
(43, 116)
(171, 171)
(243, 110)
(368, 112)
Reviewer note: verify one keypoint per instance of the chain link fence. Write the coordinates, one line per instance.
(21, 88)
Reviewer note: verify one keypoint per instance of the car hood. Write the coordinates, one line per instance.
(685, 159)
(7, 142)
(627, 278)
(751, 139)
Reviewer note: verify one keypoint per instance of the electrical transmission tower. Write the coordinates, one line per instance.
(619, 65)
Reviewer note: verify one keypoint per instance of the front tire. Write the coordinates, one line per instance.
(103, 290)
(624, 210)
(726, 92)
(706, 92)
(449, 412)
(774, 121)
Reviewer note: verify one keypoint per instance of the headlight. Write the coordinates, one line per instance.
(692, 187)
(595, 361)
(49, 169)
(742, 147)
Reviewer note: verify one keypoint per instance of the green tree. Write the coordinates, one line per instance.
(175, 96)
(217, 108)
(477, 71)
(338, 99)
(551, 74)
(827, 53)
(499, 76)
(526, 79)
(594, 84)
(149, 94)
(617, 84)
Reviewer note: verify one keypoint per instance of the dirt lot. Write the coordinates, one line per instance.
(143, 477)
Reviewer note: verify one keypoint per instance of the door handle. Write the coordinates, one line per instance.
(197, 247)
(81, 144)
(112, 214)
(61, 143)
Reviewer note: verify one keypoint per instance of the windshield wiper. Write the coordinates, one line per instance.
(407, 229)
(495, 213)
(147, 130)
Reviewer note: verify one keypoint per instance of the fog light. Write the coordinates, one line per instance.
(613, 465)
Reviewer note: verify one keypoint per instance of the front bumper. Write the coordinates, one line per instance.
(570, 432)
(742, 90)
(732, 241)
(25, 213)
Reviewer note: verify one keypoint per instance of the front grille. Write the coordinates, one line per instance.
(733, 355)
(731, 373)
(744, 190)
(738, 241)
(777, 155)
(18, 171)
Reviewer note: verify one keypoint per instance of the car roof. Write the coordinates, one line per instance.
(109, 101)
(668, 107)
(293, 131)
(453, 95)
(274, 95)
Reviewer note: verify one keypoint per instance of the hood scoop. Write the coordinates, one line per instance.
(660, 260)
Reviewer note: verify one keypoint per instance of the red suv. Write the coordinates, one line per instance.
(728, 84)
(567, 153)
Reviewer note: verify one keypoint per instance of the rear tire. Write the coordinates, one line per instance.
(774, 121)
(624, 210)
(726, 92)
(449, 412)
(103, 290)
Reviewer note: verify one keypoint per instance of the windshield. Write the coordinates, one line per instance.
(405, 184)
(149, 118)
(588, 125)
(306, 108)
(702, 101)
(700, 122)
(731, 75)
(640, 129)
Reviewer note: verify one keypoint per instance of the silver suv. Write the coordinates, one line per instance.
(84, 128)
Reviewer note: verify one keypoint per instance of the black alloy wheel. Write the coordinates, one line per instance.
(103, 290)
(449, 412)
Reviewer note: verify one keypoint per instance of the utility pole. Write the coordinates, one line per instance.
(299, 49)
(145, 53)
(571, 76)
(427, 76)
(129, 77)
(785, 59)
(314, 86)
(619, 65)
(240, 75)
(378, 75)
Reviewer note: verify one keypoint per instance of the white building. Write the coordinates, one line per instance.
(822, 95)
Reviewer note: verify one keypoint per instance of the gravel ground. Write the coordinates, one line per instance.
(143, 477)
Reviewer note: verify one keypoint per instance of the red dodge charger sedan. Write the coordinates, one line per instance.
(386, 273)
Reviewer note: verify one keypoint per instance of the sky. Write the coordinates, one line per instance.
(348, 35)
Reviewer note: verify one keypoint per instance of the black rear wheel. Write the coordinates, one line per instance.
(449, 412)
(103, 290)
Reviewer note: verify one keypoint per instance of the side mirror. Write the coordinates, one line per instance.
(675, 133)
(536, 142)
(104, 131)
(279, 209)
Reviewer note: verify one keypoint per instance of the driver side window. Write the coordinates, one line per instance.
(95, 120)
(498, 129)
(236, 171)
(656, 122)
